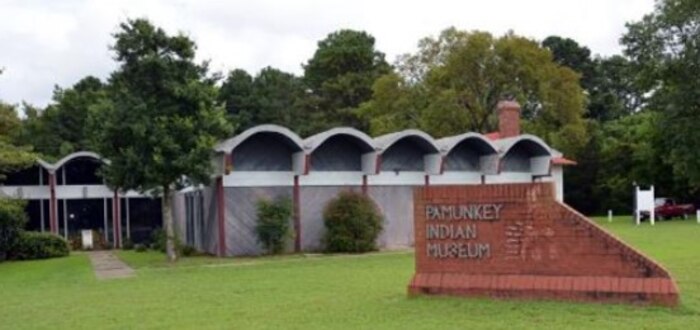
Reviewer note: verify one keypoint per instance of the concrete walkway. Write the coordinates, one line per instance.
(107, 266)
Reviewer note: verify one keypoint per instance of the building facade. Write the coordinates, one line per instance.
(269, 161)
(69, 196)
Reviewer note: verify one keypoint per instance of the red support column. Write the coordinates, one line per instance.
(116, 221)
(221, 208)
(53, 206)
(296, 214)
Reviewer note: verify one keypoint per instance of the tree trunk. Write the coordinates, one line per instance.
(169, 225)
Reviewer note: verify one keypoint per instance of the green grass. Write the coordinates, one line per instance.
(356, 292)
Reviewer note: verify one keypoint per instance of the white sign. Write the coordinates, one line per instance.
(87, 239)
(645, 203)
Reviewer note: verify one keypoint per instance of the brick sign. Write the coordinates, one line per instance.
(517, 241)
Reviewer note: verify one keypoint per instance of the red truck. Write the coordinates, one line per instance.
(666, 208)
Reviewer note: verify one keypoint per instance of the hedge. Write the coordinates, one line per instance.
(36, 245)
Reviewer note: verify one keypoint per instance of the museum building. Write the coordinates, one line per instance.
(270, 161)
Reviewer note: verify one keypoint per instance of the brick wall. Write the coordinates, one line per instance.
(537, 248)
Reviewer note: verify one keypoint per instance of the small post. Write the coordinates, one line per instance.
(637, 216)
(652, 212)
(610, 215)
(697, 216)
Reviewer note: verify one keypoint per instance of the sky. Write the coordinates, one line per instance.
(48, 43)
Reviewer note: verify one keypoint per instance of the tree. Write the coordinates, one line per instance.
(161, 121)
(665, 50)
(609, 82)
(237, 94)
(13, 157)
(271, 97)
(61, 128)
(340, 75)
(460, 77)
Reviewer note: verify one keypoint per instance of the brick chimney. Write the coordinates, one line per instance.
(508, 119)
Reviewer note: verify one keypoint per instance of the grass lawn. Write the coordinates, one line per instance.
(356, 292)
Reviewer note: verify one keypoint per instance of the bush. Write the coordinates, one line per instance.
(35, 245)
(12, 221)
(187, 251)
(353, 223)
(140, 247)
(159, 240)
(127, 244)
(273, 224)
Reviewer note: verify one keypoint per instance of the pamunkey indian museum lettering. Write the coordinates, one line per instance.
(518, 241)
(452, 230)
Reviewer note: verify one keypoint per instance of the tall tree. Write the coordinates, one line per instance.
(161, 120)
(61, 128)
(13, 157)
(271, 97)
(665, 49)
(340, 75)
(461, 76)
(237, 94)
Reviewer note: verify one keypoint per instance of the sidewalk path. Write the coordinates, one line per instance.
(107, 266)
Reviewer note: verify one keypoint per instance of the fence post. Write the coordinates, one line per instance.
(610, 215)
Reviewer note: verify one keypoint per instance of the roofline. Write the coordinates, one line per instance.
(508, 143)
(313, 142)
(384, 142)
(55, 166)
(450, 142)
(228, 145)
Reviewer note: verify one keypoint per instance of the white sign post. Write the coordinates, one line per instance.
(645, 202)
(87, 239)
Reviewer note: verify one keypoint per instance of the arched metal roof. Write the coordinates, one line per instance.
(448, 143)
(88, 154)
(315, 141)
(385, 142)
(505, 145)
(228, 145)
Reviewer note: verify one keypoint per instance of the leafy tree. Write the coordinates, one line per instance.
(665, 49)
(270, 97)
(569, 53)
(237, 94)
(340, 75)
(12, 156)
(461, 76)
(61, 128)
(161, 120)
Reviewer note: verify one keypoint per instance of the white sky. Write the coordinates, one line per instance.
(47, 43)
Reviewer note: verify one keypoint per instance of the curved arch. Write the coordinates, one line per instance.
(448, 143)
(341, 149)
(227, 146)
(409, 150)
(470, 152)
(68, 158)
(541, 147)
(385, 142)
(525, 153)
(313, 142)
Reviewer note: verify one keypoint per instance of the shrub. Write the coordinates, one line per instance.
(127, 244)
(12, 220)
(159, 240)
(352, 222)
(273, 224)
(35, 245)
(140, 247)
(186, 250)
